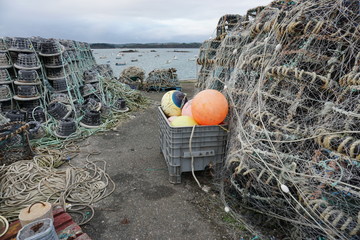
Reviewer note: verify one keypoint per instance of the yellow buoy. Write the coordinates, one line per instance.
(172, 102)
(183, 121)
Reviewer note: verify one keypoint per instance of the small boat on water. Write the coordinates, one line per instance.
(134, 60)
(118, 58)
(175, 58)
(168, 61)
(108, 61)
(120, 64)
(102, 57)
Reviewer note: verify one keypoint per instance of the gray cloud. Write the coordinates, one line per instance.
(118, 21)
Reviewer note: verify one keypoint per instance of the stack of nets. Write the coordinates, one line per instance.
(291, 71)
(162, 78)
(133, 76)
(14, 143)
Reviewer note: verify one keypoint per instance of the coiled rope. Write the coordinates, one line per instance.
(25, 182)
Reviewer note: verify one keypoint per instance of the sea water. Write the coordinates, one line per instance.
(183, 60)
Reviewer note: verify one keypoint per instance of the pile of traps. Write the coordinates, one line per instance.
(156, 79)
(58, 84)
(291, 73)
(133, 76)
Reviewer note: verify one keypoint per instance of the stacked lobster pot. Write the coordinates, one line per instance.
(6, 68)
(52, 81)
(52, 54)
(28, 85)
(91, 77)
(56, 63)
(92, 105)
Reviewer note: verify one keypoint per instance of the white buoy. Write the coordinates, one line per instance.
(278, 47)
(284, 188)
(227, 209)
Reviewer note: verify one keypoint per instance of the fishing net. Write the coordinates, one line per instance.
(291, 74)
(133, 76)
(14, 142)
(162, 78)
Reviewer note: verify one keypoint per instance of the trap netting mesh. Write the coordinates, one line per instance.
(162, 78)
(133, 76)
(291, 73)
(14, 143)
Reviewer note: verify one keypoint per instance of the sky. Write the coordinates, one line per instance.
(118, 21)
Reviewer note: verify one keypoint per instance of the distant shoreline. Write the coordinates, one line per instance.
(144, 45)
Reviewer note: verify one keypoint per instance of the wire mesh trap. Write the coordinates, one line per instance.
(291, 74)
(14, 142)
(27, 61)
(162, 78)
(133, 76)
(51, 47)
(5, 61)
(5, 77)
(21, 44)
(28, 76)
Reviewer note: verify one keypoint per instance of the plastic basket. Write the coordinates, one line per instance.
(208, 147)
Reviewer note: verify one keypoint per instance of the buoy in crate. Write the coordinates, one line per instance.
(170, 119)
(183, 121)
(186, 110)
(209, 107)
(172, 102)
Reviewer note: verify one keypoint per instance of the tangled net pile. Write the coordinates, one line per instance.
(162, 78)
(134, 76)
(291, 73)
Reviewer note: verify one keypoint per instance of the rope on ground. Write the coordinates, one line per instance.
(25, 182)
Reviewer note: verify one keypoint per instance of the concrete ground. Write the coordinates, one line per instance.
(145, 205)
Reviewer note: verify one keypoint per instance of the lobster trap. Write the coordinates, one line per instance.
(14, 143)
(293, 79)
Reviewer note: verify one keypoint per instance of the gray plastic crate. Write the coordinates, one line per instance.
(208, 147)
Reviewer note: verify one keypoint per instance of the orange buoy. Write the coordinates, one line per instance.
(209, 107)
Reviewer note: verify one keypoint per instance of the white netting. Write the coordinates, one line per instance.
(291, 74)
